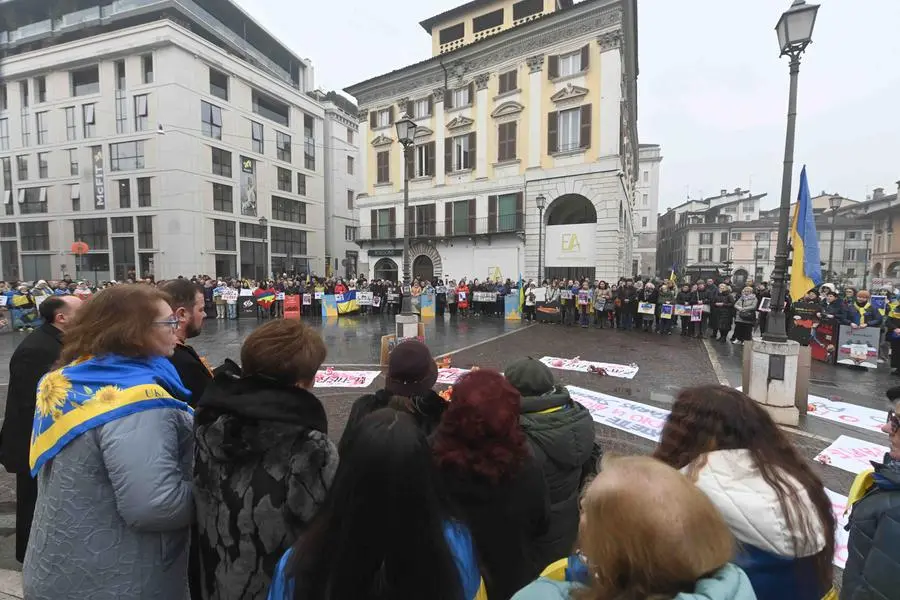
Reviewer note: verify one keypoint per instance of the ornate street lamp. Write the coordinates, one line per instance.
(406, 135)
(835, 203)
(794, 31)
(541, 202)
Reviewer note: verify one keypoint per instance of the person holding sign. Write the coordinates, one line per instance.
(602, 303)
(584, 303)
(666, 299)
(745, 316)
(462, 294)
(724, 305)
(648, 296)
(683, 299)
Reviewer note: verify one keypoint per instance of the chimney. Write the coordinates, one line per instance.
(737, 190)
(724, 192)
(877, 193)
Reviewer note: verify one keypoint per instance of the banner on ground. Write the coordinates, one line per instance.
(858, 347)
(841, 535)
(869, 419)
(330, 378)
(449, 375)
(586, 366)
(851, 455)
(632, 417)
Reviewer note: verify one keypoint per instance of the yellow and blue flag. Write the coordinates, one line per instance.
(346, 302)
(806, 270)
(521, 293)
(672, 276)
(98, 390)
(264, 298)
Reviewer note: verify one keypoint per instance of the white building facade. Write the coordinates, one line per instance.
(646, 210)
(145, 136)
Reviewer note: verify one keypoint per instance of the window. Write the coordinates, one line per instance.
(349, 136)
(211, 116)
(735, 236)
(26, 130)
(487, 21)
(122, 225)
(22, 168)
(506, 141)
(284, 179)
(285, 209)
(147, 68)
(424, 157)
(141, 112)
(421, 108)
(71, 125)
(425, 219)
(644, 200)
(145, 232)
(40, 88)
(705, 254)
(256, 132)
(463, 150)
(73, 161)
(121, 112)
(270, 108)
(570, 64)
(40, 120)
(461, 217)
(43, 166)
(569, 130)
(461, 97)
(224, 235)
(452, 33)
(526, 8)
(282, 146)
(706, 238)
(221, 162)
(23, 92)
(850, 254)
(349, 233)
(383, 167)
(349, 199)
(88, 118)
(723, 254)
(384, 118)
(301, 184)
(124, 187)
(75, 195)
(4, 99)
(723, 238)
(250, 230)
(218, 84)
(145, 195)
(644, 222)
(120, 74)
(309, 143)
(4, 134)
(349, 165)
(646, 176)
(92, 232)
(126, 156)
(288, 241)
(382, 224)
(35, 235)
(852, 235)
(507, 212)
(507, 81)
(85, 81)
(761, 253)
(32, 200)
(748, 206)
(8, 230)
(223, 198)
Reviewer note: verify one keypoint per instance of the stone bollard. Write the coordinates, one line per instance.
(770, 377)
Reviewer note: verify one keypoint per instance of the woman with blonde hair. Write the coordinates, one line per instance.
(647, 532)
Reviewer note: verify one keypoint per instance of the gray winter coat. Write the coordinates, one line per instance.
(743, 304)
(113, 513)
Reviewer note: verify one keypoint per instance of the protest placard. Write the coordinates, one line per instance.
(682, 310)
(696, 313)
(665, 311)
(330, 378)
(319, 295)
(565, 294)
(364, 298)
(584, 298)
(859, 347)
(307, 300)
(646, 308)
(586, 366)
(230, 295)
(449, 375)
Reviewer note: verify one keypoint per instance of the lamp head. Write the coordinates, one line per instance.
(406, 130)
(795, 27)
(541, 201)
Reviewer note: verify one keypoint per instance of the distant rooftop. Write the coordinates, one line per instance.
(462, 9)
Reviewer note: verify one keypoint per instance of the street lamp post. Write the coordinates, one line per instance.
(541, 202)
(835, 203)
(794, 31)
(758, 237)
(406, 135)
(868, 238)
(264, 222)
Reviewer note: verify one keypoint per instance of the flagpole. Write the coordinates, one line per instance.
(775, 331)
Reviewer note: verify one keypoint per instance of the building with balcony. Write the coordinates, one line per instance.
(646, 209)
(173, 137)
(520, 101)
(885, 260)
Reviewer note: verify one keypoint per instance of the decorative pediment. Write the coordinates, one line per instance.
(459, 122)
(507, 109)
(570, 92)
(422, 131)
(382, 140)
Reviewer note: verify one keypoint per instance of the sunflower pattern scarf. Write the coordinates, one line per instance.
(94, 391)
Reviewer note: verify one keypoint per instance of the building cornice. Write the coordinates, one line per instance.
(523, 41)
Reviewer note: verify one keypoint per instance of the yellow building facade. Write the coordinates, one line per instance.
(520, 100)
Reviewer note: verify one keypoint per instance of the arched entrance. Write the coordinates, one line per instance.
(893, 270)
(423, 268)
(876, 270)
(569, 240)
(385, 268)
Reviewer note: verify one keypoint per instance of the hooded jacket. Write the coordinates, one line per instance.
(751, 508)
(561, 434)
(426, 410)
(263, 464)
(873, 547)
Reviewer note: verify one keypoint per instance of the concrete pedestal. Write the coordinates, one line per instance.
(407, 326)
(770, 377)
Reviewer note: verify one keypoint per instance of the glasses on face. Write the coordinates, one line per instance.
(893, 420)
(171, 322)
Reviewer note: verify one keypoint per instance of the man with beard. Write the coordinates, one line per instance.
(188, 306)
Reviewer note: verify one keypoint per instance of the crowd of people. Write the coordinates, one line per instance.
(155, 476)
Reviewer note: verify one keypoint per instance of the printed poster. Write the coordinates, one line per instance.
(859, 347)
(376, 301)
(646, 308)
(586, 366)
(851, 455)
(307, 300)
(823, 341)
(364, 298)
(440, 289)
(665, 311)
(696, 313)
(584, 298)
(805, 319)
(449, 375)
(330, 378)
(682, 310)
(565, 294)
(319, 295)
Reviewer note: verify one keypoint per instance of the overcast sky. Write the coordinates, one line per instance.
(712, 90)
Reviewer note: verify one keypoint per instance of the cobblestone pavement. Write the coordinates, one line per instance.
(667, 364)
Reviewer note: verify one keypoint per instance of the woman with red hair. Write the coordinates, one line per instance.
(490, 474)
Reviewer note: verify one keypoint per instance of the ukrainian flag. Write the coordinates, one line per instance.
(806, 270)
(672, 276)
(521, 294)
(91, 392)
(349, 303)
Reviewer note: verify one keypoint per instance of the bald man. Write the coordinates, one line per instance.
(34, 357)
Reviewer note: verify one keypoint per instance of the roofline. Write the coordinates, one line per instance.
(429, 23)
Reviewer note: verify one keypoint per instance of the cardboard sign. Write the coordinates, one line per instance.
(307, 299)
(859, 347)
(851, 455)
(646, 308)
(682, 310)
(823, 341)
(364, 298)
(697, 313)
(586, 366)
(230, 295)
(665, 311)
(330, 378)
(565, 294)
(584, 298)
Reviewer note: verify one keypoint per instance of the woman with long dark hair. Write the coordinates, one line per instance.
(771, 499)
(491, 475)
(384, 531)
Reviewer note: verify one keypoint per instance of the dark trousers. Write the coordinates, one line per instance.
(26, 497)
(895, 354)
(743, 332)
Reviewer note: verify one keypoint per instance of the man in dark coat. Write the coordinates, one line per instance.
(560, 432)
(34, 357)
(188, 307)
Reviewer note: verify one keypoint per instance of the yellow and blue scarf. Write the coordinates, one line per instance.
(91, 392)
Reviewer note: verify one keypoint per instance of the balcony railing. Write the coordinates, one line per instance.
(446, 228)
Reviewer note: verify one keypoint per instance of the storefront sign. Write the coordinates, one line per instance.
(99, 179)
(571, 245)
(387, 252)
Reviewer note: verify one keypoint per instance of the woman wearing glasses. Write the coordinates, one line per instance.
(873, 548)
(111, 448)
